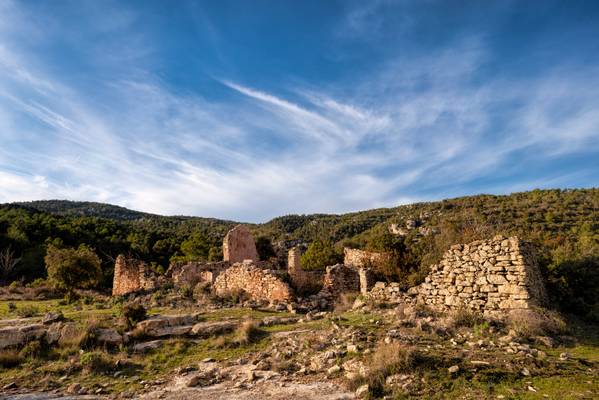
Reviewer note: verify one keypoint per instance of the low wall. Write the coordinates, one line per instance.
(258, 284)
(192, 273)
(339, 279)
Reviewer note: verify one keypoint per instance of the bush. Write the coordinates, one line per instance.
(10, 359)
(28, 311)
(32, 349)
(536, 322)
(133, 313)
(246, 333)
(464, 317)
(264, 248)
(319, 255)
(72, 268)
(95, 362)
(387, 360)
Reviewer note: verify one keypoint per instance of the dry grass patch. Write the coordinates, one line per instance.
(536, 322)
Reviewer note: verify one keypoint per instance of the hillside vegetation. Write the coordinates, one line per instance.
(563, 223)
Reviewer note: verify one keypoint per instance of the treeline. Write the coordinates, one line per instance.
(563, 223)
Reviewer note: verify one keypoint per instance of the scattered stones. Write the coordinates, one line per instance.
(74, 388)
(453, 369)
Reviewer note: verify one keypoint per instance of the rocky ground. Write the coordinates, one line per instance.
(190, 351)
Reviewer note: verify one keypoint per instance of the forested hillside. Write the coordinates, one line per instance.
(563, 223)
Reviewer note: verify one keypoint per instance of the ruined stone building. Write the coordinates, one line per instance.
(131, 275)
(239, 245)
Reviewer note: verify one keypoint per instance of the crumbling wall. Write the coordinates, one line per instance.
(339, 279)
(131, 275)
(257, 283)
(239, 245)
(301, 280)
(362, 258)
(193, 272)
(489, 276)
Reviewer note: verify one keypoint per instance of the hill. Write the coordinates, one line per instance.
(563, 223)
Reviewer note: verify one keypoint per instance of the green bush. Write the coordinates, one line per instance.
(319, 255)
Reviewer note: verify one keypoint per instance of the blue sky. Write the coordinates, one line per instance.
(252, 109)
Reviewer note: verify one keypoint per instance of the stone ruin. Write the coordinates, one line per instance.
(131, 275)
(239, 245)
(362, 258)
(193, 272)
(303, 281)
(489, 276)
(257, 283)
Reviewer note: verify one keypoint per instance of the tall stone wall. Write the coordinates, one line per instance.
(131, 275)
(489, 276)
(257, 283)
(301, 280)
(239, 245)
(362, 258)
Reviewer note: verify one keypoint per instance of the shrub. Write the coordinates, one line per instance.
(10, 358)
(319, 255)
(72, 268)
(246, 333)
(133, 313)
(28, 311)
(387, 359)
(32, 349)
(464, 317)
(186, 291)
(264, 248)
(95, 362)
(536, 322)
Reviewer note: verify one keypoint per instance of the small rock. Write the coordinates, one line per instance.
(74, 388)
(352, 348)
(9, 386)
(531, 389)
(333, 370)
(51, 317)
(208, 360)
(525, 372)
(362, 391)
(453, 369)
(251, 376)
(193, 381)
(564, 356)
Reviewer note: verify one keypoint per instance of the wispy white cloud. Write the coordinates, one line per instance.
(409, 128)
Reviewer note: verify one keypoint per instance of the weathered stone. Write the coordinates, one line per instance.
(256, 283)
(108, 337)
(167, 325)
(212, 328)
(131, 275)
(52, 317)
(16, 336)
(239, 245)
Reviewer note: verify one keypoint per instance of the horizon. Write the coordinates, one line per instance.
(246, 112)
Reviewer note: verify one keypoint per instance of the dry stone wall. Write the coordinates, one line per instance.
(239, 245)
(339, 279)
(361, 258)
(192, 273)
(131, 275)
(490, 276)
(259, 284)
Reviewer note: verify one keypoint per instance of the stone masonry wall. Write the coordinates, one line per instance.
(489, 276)
(257, 283)
(193, 272)
(131, 275)
(239, 245)
(361, 258)
(339, 279)
(301, 280)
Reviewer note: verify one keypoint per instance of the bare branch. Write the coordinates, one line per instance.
(8, 262)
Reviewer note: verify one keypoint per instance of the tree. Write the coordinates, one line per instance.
(8, 262)
(264, 248)
(319, 255)
(70, 268)
(196, 247)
